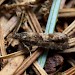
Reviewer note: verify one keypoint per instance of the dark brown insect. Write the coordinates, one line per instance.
(57, 41)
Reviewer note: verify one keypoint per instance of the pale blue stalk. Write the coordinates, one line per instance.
(50, 27)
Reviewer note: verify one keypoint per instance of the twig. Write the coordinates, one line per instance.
(11, 6)
(27, 62)
(36, 22)
(18, 53)
(1, 1)
(72, 40)
(71, 32)
(30, 15)
(22, 17)
(71, 61)
(2, 45)
(71, 14)
(70, 71)
(36, 67)
(39, 69)
(67, 10)
(68, 50)
(28, 18)
(69, 28)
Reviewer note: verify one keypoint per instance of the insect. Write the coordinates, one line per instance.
(57, 41)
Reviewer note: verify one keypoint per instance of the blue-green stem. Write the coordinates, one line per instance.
(50, 27)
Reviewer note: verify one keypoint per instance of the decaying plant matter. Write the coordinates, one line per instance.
(23, 38)
(52, 63)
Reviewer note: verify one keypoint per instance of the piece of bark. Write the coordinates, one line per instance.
(57, 41)
(7, 28)
(52, 63)
(12, 66)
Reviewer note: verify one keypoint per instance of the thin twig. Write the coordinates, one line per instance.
(1, 1)
(18, 53)
(29, 13)
(2, 45)
(69, 28)
(27, 62)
